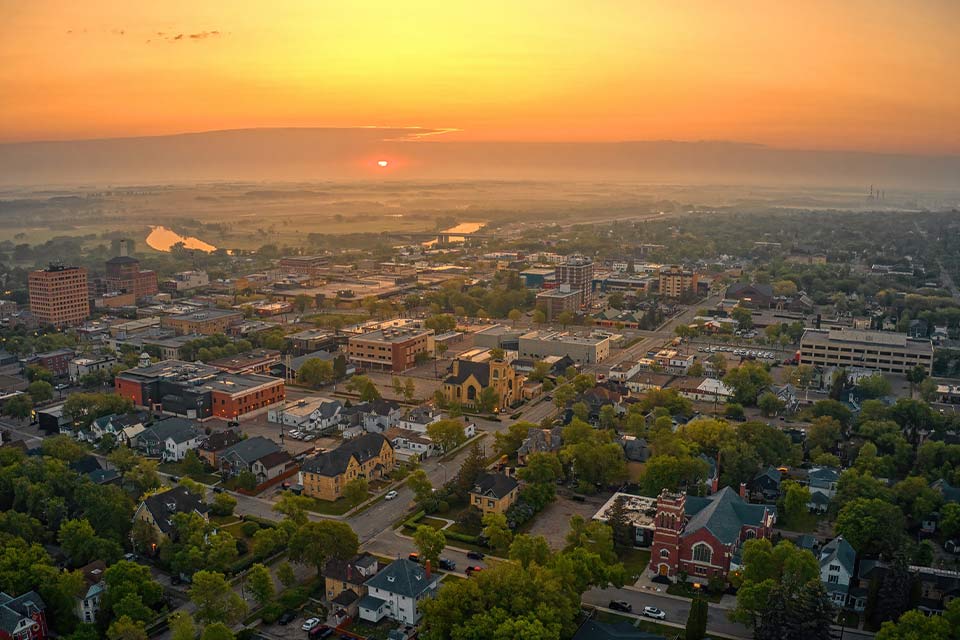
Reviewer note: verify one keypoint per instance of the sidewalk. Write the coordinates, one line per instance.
(645, 584)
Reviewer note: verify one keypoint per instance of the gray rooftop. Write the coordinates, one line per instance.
(403, 577)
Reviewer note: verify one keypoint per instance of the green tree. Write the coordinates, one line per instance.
(541, 468)
(871, 526)
(795, 498)
(514, 316)
(128, 582)
(315, 373)
(593, 536)
(430, 542)
(487, 400)
(246, 480)
(874, 386)
(409, 390)
(223, 504)
(950, 519)
(260, 583)
(447, 434)
(619, 522)
(747, 381)
(355, 491)
(419, 483)
(19, 407)
(365, 387)
(81, 544)
(769, 570)
(63, 447)
(124, 628)
(144, 476)
(823, 434)
(565, 318)
(915, 625)
(316, 542)
(217, 631)
(215, 600)
(527, 549)
(294, 507)
(507, 442)
(40, 391)
(770, 404)
(285, 575)
(182, 626)
(191, 465)
(539, 317)
(697, 620)
(496, 531)
(915, 376)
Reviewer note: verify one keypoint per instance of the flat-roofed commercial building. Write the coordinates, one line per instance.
(207, 322)
(881, 350)
(393, 349)
(59, 295)
(556, 301)
(675, 281)
(590, 349)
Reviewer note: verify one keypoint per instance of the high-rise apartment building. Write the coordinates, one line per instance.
(577, 273)
(675, 281)
(59, 295)
(123, 273)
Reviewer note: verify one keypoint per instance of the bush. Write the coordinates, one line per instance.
(294, 598)
(462, 537)
(271, 612)
(250, 528)
(443, 506)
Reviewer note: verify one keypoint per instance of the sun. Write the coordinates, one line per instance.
(382, 163)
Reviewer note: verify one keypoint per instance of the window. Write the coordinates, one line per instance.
(702, 552)
(833, 579)
(664, 553)
(834, 567)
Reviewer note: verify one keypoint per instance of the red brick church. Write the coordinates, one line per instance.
(701, 536)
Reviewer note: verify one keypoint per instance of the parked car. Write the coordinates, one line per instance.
(390, 495)
(174, 479)
(472, 570)
(653, 612)
(321, 632)
(414, 557)
(447, 565)
(218, 489)
(475, 555)
(310, 624)
(621, 605)
(287, 617)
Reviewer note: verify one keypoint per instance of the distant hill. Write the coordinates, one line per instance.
(336, 154)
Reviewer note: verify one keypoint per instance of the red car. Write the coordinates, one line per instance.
(472, 570)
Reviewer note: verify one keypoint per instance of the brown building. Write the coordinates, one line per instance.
(553, 302)
(370, 456)
(395, 349)
(494, 493)
(59, 295)
(254, 361)
(577, 273)
(304, 265)
(676, 281)
(124, 274)
(207, 322)
(468, 380)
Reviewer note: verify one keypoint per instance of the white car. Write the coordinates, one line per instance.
(390, 495)
(653, 612)
(310, 623)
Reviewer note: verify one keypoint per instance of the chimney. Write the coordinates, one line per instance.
(743, 490)
(349, 572)
(426, 566)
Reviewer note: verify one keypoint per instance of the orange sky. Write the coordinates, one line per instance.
(841, 74)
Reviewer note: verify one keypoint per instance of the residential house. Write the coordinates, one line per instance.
(273, 465)
(380, 415)
(159, 509)
(469, 378)
(215, 444)
(948, 492)
(702, 537)
(837, 565)
(242, 456)
(344, 580)
(539, 441)
(170, 438)
(419, 418)
(822, 483)
(494, 493)
(368, 456)
(704, 390)
(751, 296)
(766, 484)
(88, 600)
(23, 617)
(396, 591)
(410, 445)
(308, 414)
(788, 395)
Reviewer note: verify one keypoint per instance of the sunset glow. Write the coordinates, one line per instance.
(864, 75)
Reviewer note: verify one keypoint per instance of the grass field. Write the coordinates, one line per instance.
(635, 561)
(336, 508)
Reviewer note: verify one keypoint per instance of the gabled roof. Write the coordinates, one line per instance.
(463, 369)
(838, 551)
(540, 441)
(275, 459)
(494, 485)
(350, 571)
(250, 450)
(771, 473)
(404, 578)
(723, 514)
(177, 429)
(165, 505)
(333, 463)
(823, 475)
(220, 440)
(949, 493)
(383, 407)
(86, 464)
(13, 610)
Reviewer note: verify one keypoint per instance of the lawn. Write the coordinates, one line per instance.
(686, 590)
(378, 631)
(635, 561)
(176, 469)
(335, 508)
(642, 624)
(432, 522)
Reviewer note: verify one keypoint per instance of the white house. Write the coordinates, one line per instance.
(837, 559)
(396, 592)
(418, 418)
(170, 439)
(88, 601)
(79, 367)
(822, 483)
(311, 414)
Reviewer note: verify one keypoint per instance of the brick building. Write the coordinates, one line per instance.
(395, 349)
(676, 281)
(123, 273)
(207, 322)
(59, 295)
(702, 536)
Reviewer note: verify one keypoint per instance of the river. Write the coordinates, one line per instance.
(163, 239)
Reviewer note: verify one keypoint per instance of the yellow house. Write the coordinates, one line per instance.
(470, 378)
(494, 493)
(369, 456)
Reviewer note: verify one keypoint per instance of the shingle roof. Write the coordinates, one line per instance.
(838, 550)
(220, 440)
(333, 463)
(275, 459)
(824, 475)
(593, 630)
(13, 610)
(494, 485)
(403, 577)
(86, 464)
(723, 514)
(177, 429)
(465, 368)
(251, 449)
(165, 505)
(770, 472)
